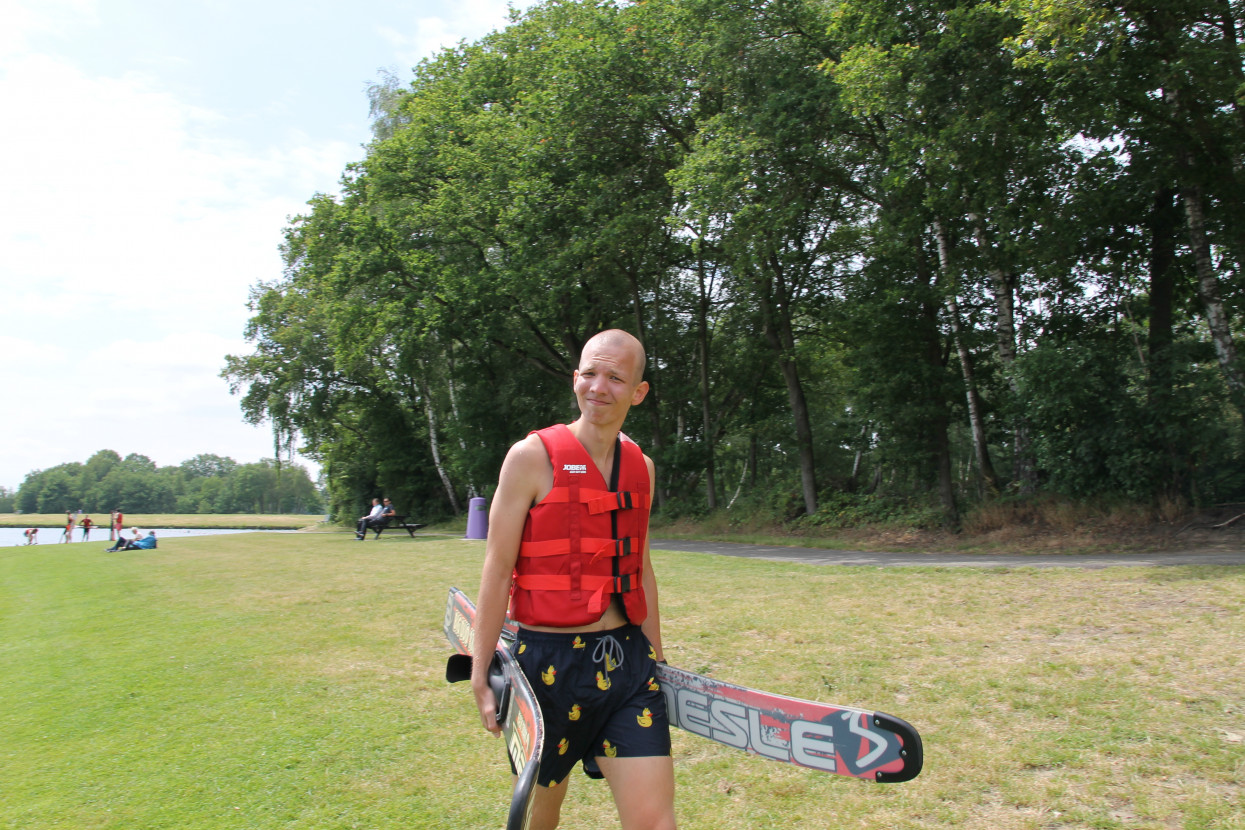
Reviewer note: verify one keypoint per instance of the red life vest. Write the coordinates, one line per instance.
(583, 543)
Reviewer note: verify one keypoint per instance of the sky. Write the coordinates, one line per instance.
(150, 155)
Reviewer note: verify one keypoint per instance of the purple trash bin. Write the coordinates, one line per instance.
(477, 519)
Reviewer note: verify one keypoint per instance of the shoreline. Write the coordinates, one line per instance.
(177, 521)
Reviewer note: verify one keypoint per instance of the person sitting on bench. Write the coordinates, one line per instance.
(375, 518)
(387, 514)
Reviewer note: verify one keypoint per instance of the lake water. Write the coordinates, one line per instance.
(52, 535)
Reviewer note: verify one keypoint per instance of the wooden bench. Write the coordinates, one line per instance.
(395, 521)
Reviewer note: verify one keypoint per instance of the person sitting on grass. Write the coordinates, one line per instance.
(136, 541)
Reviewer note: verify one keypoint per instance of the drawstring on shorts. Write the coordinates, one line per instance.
(608, 652)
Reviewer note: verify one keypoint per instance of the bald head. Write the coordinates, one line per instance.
(618, 340)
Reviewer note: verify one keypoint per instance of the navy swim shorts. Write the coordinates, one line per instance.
(598, 694)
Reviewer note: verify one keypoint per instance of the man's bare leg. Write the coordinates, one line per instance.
(643, 791)
(547, 805)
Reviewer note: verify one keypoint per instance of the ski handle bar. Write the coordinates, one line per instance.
(458, 668)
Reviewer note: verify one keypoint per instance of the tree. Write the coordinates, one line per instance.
(1165, 80)
(207, 465)
(58, 493)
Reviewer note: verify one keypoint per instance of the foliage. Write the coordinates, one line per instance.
(203, 484)
(934, 252)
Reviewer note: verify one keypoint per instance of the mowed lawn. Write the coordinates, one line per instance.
(296, 681)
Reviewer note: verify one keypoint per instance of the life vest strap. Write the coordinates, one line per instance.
(598, 501)
(622, 500)
(602, 587)
(599, 548)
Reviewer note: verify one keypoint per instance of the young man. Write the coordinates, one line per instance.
(366, 521)
(568, 554)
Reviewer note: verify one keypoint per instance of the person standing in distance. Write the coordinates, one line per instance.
(568, 555)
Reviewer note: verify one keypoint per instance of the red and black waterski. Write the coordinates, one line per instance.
(517, 709)
(843, 740)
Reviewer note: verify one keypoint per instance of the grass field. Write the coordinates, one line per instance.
(295, 681)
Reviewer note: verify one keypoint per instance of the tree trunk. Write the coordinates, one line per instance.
(742, 478)
(1208, 290)
(853, 481)
(434, 445)
(781, 339)
(1164, 224)
(980, 448)
(1024, 469)
(706, 405)
(451, 389)
(653, 399)
(939, 441)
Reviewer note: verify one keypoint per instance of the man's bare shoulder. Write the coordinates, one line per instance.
(527, 473)
(527, 453)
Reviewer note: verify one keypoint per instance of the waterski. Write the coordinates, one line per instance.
(844, 740)
(517, 709)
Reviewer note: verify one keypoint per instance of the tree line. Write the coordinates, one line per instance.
(135, 484)
(925, 252)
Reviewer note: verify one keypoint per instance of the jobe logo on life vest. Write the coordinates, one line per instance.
(802, 742)
(575, 468)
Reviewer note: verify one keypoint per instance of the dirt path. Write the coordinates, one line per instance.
(817, 556)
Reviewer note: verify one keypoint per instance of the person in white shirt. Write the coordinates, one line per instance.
(372, 517)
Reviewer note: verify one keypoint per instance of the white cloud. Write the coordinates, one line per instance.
(24, 19)
(114, 177)
(132, 230)
(429, 34)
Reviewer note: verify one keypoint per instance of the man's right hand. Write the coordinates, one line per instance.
(487, 704)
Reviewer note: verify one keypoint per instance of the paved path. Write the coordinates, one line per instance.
(817, 556)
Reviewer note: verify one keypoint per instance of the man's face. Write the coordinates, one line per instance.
(607, 382)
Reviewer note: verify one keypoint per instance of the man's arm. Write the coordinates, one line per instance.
(518, 485)
(652, 622)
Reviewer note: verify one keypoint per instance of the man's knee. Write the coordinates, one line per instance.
(643, 790)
